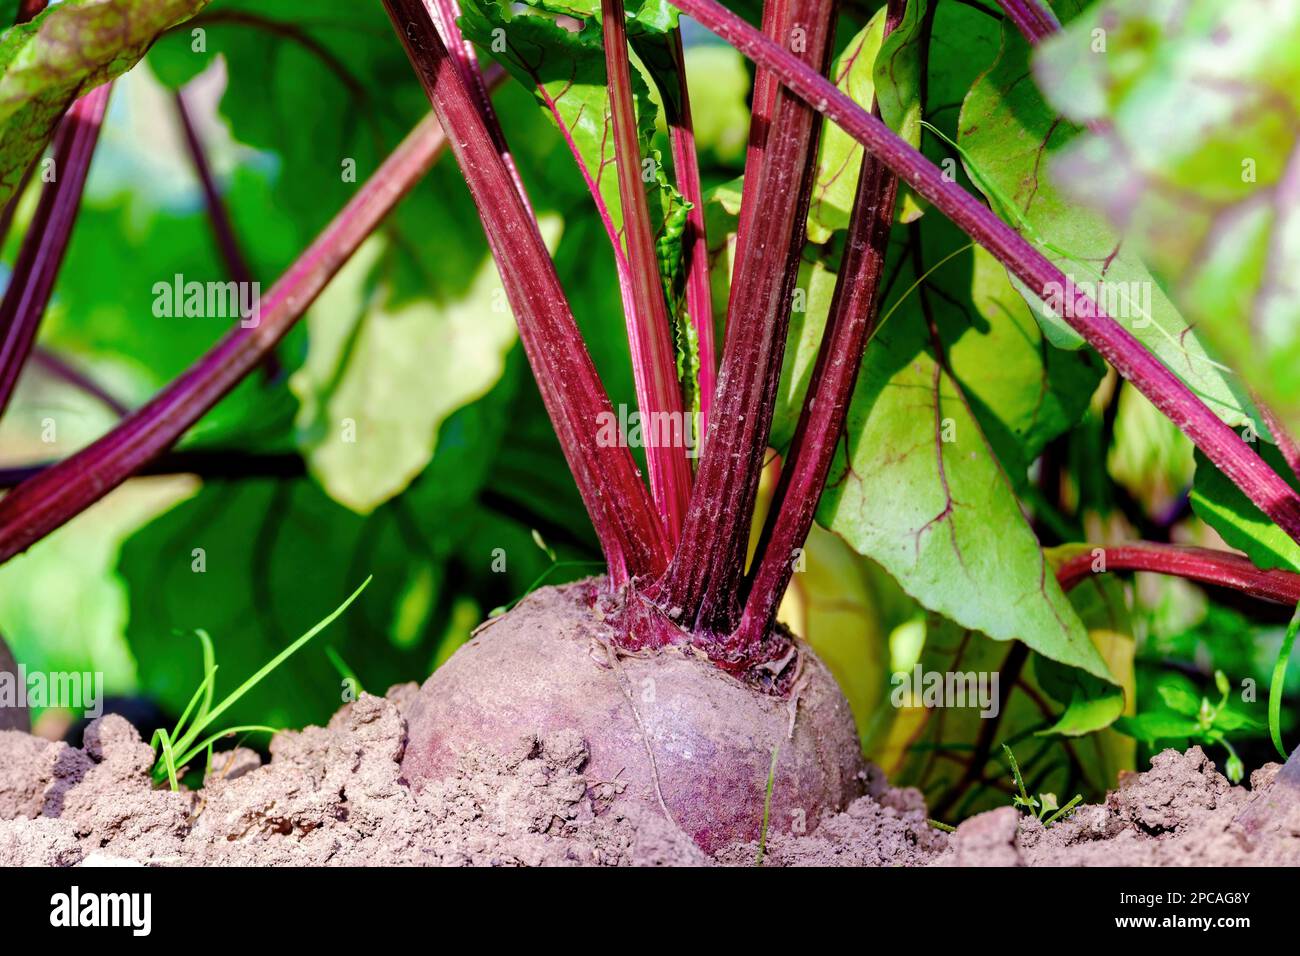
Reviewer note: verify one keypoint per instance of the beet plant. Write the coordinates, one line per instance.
(897, 315)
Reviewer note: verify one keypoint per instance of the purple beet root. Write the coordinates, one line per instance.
(684, 737)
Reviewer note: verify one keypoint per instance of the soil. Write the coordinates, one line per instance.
(339, 795)
(335, 796)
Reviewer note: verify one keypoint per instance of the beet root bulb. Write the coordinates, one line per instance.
(682, 737)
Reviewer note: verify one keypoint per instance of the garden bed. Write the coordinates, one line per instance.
(335, 796)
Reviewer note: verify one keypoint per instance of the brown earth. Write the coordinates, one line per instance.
(336, 796)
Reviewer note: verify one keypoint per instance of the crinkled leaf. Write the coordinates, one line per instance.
(1007, 134)
(1192, 151)
(899, 79)
(869, 65)
(921, 484)
(67, 50)
(1220, 503)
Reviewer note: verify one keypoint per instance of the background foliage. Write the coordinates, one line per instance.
(455, 494)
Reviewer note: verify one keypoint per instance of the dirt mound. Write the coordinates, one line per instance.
(335, 796)
(1181, 812)
(330, 796)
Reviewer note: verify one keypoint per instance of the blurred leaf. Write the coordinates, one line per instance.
(1179, 700)
(719, 93)
(275, 553)
(1149, 455)
(1006, 131)
(1221, 504)
(953, 754)
(380, 377)
(1151, 727)
(1192, 154)
(47, 631)
(68, 50)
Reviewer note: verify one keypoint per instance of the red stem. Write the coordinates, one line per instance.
(620, 509)
(850, 325)
(654, 365)
(695, 242)
(445, 14)
(222, 229)
(1032, 18)
(701, 587)
(46, 241)
(28, 10)
(60, 492)
(1223, 446)
(1221, 568)
(776, 20)
(71, 375)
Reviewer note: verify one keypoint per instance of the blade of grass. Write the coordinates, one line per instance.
(208, 741)
(204, 691)
(1278, 684)
(168, 758)
(767, 805)
(186, 742)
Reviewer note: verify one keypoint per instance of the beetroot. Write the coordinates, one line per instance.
(553, 663)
